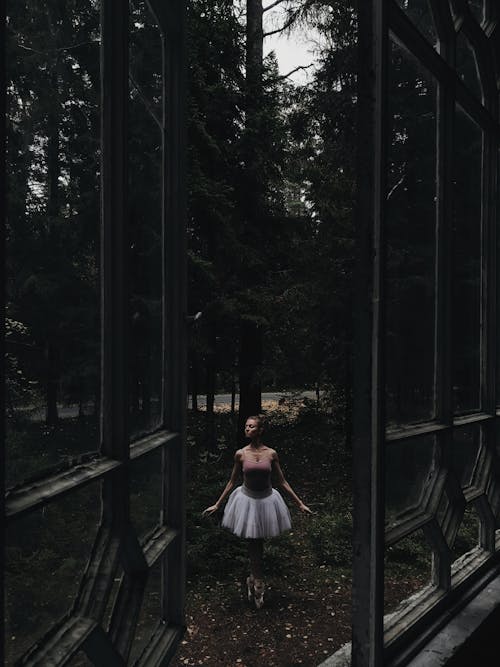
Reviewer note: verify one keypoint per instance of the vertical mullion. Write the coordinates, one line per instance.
(490, 259)
(114, 253)
(444, 223)
(441, 572)
(3, 110)
(174, 244)
(488, 276)
(369, 386)
(494, 294)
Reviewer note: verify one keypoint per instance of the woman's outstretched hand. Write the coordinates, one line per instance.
(305, 509)
(210, 510)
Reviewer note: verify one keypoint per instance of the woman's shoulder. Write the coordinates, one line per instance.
(273, 454)
(238, 455)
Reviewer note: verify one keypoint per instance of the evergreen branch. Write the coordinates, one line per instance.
(49, 51)
(397, 185)
(273, 4)
(286, 25)
(285, 76)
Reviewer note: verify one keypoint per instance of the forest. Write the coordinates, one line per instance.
(269, 206)
(271, 249)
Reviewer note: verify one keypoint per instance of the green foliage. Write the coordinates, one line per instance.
(19, 389)
(53, 207)
(411, 555)
(330, 535)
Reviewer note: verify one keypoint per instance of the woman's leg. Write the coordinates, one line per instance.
(255, 582)
(255, 553)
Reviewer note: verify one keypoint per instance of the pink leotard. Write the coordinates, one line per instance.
(257, 475)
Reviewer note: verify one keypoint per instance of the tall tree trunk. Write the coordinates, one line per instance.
(233, 395)
(52, 384)
(250, 353)
(211, 371)
(210, 390)
(53, 173)
(210, 380)
(194, 384)
(254, 53)
(249, 375)
(348, 401)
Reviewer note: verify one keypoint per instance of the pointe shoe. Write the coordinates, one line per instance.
(250, 588)
(259, 588)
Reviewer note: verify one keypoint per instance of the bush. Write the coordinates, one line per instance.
(331, 539)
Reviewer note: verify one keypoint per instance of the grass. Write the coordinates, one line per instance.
(47, 550)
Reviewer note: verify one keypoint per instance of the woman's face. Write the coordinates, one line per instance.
(252, 428)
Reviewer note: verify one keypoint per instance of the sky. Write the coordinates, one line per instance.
(292, 49)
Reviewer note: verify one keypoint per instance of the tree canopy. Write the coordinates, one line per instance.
(270, 188)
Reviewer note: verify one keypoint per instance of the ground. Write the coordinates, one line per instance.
(306, 616)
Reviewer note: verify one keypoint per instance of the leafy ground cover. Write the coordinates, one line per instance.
(306, 616)
(307, 611)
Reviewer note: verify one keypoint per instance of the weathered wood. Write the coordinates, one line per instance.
(173, 514)
(157, 543)
(31, 495)
(2, 301)
(368, 373)
(151, 442)
(114, 216)
(161, 647)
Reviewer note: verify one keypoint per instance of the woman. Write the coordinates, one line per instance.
(255, 510)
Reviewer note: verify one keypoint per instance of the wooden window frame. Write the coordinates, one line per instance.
(117, 544)
(394, 643)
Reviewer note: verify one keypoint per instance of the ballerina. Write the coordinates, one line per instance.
(255, 510)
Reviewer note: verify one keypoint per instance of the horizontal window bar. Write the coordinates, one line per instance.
(157, 543)
(425, 613)
(476, 418)
(31, 495)
(151, 442)
(61, 641)
(415, 430)
(406, 526)
(162, 645)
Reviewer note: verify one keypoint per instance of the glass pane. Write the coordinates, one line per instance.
(411, 469)
(498, 296)
(145, 181)
(53, 231)
(420, 14)
(150, 613)
(477, 9)
(466, 271)
(146, 492)
(468, 534)
(46, 555)
(411, 215)
(466, 65)
(466, 443)
(407, 569)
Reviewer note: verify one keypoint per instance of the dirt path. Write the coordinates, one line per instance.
(301, 623)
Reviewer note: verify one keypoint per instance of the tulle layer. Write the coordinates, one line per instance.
(254, 515)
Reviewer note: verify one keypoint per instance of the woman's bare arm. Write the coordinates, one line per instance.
(233, 480)
(283, 484)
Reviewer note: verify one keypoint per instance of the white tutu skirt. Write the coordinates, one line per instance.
(256, 514)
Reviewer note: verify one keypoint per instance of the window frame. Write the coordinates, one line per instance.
(117, 544)
(451, 588)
